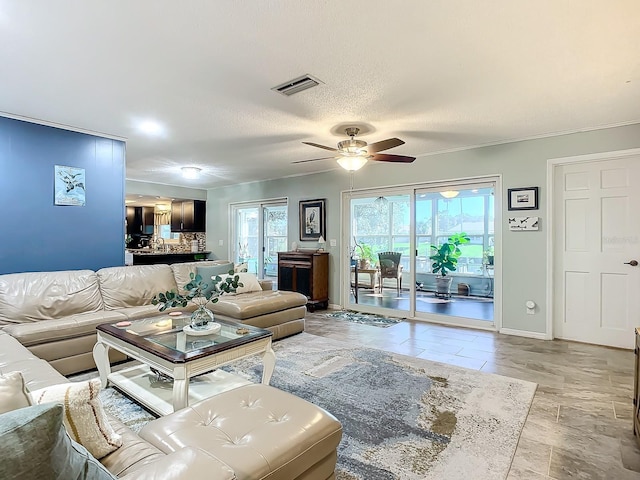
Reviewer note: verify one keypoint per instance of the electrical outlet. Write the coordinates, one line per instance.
(333, 242)
(220, 243)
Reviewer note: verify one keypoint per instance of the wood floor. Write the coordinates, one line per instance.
(580, 422)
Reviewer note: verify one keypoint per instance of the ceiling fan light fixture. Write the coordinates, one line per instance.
(352, 163)
(191, 172)
(449, 193)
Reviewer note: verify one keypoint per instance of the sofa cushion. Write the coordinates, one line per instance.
(84, 418)
(13, 393)
(134, 286)
(250, 305)
(249, 283)
(181, 271)
(73, 326)
(36, 296)
(35, 445)
(259, 431)
(209, 271)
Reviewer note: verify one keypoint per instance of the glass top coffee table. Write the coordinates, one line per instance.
(177, 368)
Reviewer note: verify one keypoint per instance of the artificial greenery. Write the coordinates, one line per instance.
(198, 292)
(445, 257)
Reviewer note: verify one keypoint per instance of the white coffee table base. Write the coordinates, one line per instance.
(141, 384)
(184, 391)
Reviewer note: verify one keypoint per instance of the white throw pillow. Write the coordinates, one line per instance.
(84, 417)
(249, 281)
(13, 393)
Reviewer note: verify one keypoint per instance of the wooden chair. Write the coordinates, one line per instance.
(390, 268)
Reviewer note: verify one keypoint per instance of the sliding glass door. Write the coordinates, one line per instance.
(466, 210)
(259, 233)
(391, 235)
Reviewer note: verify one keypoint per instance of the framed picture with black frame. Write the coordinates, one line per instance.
(312, 219)
(523, 198)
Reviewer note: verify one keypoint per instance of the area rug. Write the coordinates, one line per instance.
(364, 318)
(403, 418)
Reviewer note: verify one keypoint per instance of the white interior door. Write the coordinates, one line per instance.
(597, 241)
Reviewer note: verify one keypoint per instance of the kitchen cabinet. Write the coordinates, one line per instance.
(140, 220)
(188, 216)
(306, 273)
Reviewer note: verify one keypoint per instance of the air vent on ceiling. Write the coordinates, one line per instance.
(297, 85)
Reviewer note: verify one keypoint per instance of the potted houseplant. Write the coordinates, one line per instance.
(444, 259)
(199, 293)
(366, 255)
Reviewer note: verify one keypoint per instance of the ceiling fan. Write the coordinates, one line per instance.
(352, 154)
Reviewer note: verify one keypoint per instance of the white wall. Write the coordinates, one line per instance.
(521, 164)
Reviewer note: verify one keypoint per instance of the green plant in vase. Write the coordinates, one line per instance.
(199, 293)
(444, 259)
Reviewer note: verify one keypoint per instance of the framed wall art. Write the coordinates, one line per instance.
(312, 219)
(69, 186)
(523, 198)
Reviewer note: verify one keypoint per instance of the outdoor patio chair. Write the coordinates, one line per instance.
(390, 268)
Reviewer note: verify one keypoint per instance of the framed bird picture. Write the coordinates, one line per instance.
(69, 186)
(312, 219)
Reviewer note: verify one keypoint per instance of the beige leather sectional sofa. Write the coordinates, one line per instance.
(54, 314)
(254, 432)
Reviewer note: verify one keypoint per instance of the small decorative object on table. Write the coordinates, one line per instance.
(200, 293)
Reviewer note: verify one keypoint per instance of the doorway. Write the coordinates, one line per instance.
(259, 233)
(389, 236)
(595, 242)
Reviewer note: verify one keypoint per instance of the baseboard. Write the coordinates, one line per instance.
(334, 306)
(524, 333)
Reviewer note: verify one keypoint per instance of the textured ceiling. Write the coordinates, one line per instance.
(441, 75)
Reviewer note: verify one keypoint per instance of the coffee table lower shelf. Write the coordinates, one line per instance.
(141, 384)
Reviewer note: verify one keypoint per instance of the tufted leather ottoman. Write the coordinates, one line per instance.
(259, 431)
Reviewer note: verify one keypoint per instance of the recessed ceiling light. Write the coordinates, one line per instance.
(191, 172)
(150, 127)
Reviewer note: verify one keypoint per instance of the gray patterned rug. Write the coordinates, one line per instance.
(364, 318)
(403, 418)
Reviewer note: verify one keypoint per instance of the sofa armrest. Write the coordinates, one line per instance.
(266, 284)
(184, 464)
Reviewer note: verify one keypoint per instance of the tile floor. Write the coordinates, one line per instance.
(580, 422)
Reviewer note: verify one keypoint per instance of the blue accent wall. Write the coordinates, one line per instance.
(35, 234)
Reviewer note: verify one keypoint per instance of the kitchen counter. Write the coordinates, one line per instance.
(151, 257)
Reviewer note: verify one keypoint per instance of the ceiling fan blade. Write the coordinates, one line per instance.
(385, 157)
(312, 160)
(321, 146)
(384, 145)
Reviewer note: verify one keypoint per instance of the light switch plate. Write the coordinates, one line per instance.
(220, 243)
(333, 242)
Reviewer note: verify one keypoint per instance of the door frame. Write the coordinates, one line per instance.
(552, 164)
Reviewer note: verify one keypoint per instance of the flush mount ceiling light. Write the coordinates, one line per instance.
(449, 193)
(150, 127)
(191, 172)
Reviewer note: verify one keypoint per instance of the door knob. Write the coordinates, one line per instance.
(633, 263)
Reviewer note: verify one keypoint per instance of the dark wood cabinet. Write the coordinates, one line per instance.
(306, 273)
(140, 220)
(188, 216)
